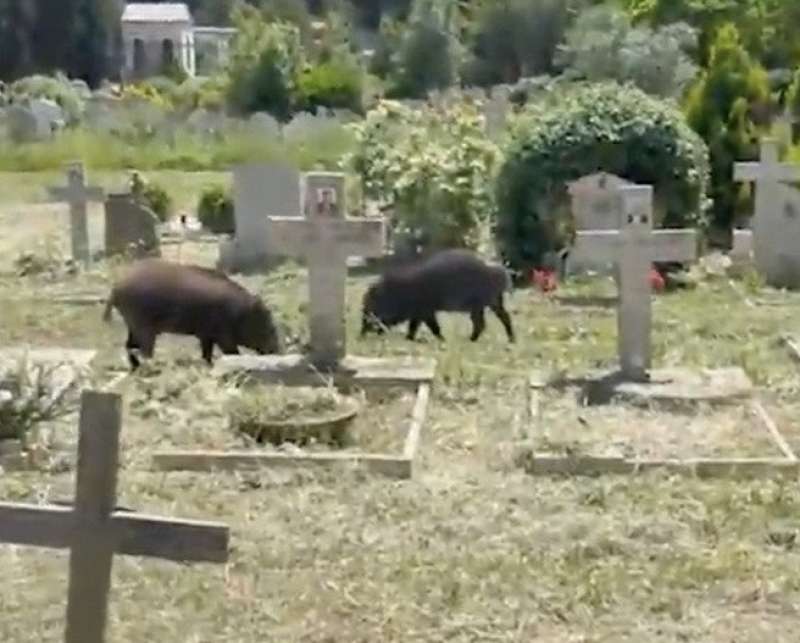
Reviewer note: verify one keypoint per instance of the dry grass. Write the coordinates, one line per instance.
(471, 549)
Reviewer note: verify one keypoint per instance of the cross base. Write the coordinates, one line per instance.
(298, 370)
(661, 386)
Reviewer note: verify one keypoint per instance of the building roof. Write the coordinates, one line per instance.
(156, 12)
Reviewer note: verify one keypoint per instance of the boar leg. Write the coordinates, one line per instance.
(228, 346)
(478, 323)
(207, 347)
(433, 324)
(505, 319)
(413, 327)
(131, 346)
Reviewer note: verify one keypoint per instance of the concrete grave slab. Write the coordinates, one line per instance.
(393, 465)
(777, 459)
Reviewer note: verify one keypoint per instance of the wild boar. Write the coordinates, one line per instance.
(448, 281)
(158, 296)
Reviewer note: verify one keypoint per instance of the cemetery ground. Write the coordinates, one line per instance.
(472, 548)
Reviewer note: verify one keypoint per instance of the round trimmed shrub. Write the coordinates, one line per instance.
(215, 210)
(587, 128)
(158, 200)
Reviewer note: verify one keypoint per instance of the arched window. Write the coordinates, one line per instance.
(139, 57)
(167, 54)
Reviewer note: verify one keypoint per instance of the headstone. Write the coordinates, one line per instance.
(94, 530)
(305, 125)
(260, 191)
(131, 228)
(776, 223)
(49, 114)
(742, 248)
(23, 126)
(496, 110)
(595, 206)
(265, 125)
(634, 248)
(325, 238)
(78, 194)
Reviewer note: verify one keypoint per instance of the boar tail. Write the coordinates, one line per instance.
(107, 311)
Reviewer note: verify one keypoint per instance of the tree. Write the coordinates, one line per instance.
(16, 26)
(513, 38)
(603, 45)
(727, 107)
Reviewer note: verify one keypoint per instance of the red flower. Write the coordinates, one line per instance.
(544, 280)
(656, 280)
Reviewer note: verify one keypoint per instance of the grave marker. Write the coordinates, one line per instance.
(326, 238)
(94, 531)
(259, 191)
(776, 222)
(130, 227)
(594, 207)
(634, 247)
(78, 195)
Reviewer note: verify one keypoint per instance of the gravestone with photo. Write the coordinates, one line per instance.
(776, 221)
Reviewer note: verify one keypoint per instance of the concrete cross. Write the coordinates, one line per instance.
(326, 238)
(77, 194)
(94, 531)
(774, 225)
(634, 248)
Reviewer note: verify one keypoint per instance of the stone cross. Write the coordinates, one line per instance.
(94, 531)
(594, 207)
(634, 248)
(77, 194)
(326, 238)
(776, 223)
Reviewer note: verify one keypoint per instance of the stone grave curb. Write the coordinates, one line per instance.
(548, 464)
(400, 466)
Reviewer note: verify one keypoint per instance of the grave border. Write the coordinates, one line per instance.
(547, 464)
(399, 466)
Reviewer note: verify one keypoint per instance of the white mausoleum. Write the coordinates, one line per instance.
(155, 36)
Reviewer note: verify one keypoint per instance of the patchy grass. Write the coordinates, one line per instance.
(471, 549)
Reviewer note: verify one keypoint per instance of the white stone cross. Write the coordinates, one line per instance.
(774, 225)
(94, 531)
(326, 238)
(634, 247)
(77, 194)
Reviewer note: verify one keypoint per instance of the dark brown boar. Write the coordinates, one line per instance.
(158, 296)
(448, 281)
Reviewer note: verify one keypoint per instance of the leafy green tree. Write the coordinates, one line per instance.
(508, 39)
(428, 55)
(265, 63)
(602, 44)
(16, 26)
(727, 106)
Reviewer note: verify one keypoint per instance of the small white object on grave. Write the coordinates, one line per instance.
(78, 195)
(776, 223)
(742, 248)
(326, 238)
(94, 531)
(634, 248)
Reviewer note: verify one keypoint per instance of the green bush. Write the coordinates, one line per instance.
(157, 199)
(56, 88)
(334, 84)
(265, 63)
(583, 129)
(434, 167)
(215, 210)
(727, 107)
